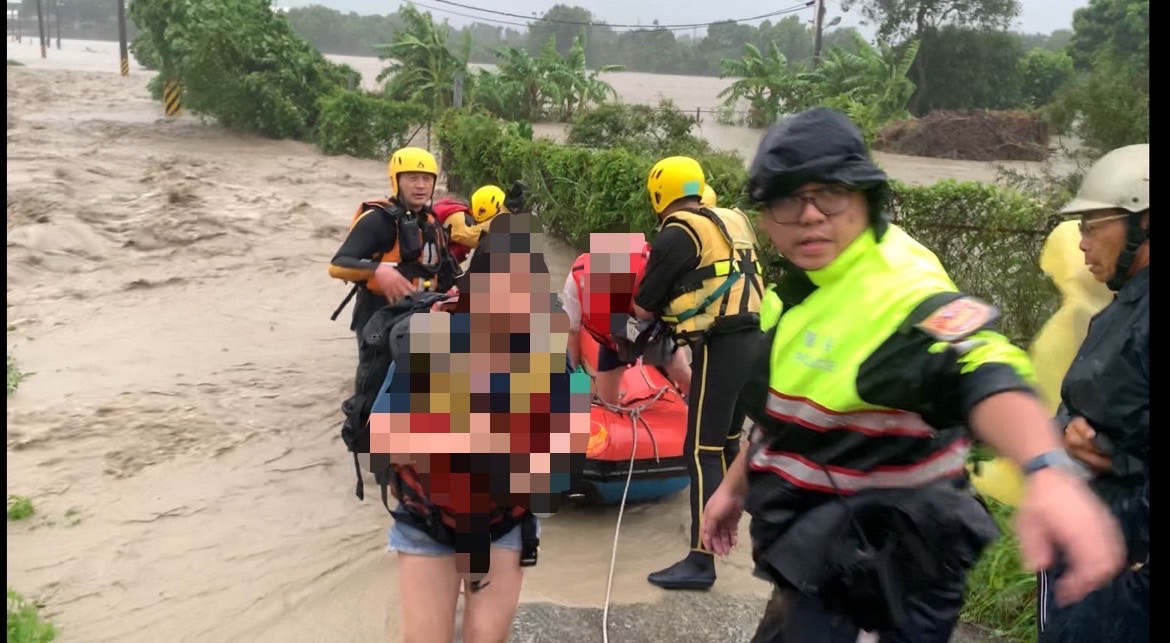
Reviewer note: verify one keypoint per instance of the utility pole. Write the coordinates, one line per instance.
(41, 27)
(125, 60)
(819, 20)
(57, 19)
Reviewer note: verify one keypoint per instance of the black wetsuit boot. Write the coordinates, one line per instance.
(713, 438)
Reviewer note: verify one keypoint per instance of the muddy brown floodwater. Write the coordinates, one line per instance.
(178, 433)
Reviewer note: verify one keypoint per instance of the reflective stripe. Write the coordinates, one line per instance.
(811, 415)
(809, 475)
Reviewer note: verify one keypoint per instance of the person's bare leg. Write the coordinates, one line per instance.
(609, 385)
(488, 613)
(679, 370)
(428, 594)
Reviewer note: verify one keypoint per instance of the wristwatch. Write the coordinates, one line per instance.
(1056, 458)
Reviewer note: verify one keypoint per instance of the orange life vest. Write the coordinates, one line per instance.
(598, 308)
(422, 272)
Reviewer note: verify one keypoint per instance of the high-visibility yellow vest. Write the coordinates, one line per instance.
(728, 281)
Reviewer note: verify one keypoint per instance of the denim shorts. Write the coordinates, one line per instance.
(407, 540)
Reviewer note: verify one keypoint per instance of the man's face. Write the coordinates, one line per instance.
(1103, 235)
(813, 227)
(415, 189)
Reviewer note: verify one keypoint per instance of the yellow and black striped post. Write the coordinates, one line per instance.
(171, 98)
(122, 46)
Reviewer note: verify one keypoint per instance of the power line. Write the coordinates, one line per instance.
(465, 15)
(651, 27)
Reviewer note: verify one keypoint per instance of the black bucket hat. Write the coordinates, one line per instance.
(817, 145)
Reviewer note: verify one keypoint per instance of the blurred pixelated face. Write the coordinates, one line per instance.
(615, 259)
(488, 387)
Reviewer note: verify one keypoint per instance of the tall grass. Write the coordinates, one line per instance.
(24, 621)
(1001, 595)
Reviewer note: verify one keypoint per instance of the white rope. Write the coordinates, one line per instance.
(635, 417)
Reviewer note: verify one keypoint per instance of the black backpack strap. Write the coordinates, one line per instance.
(529, 541)
(361, 485)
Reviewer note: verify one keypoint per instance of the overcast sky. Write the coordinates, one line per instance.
(1036, 16)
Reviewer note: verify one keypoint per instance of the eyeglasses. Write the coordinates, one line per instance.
(830, 200)
(1086, 226)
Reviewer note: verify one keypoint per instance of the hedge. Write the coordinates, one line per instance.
(988, 237)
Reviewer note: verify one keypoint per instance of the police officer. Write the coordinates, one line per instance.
(396, 245)
(1105, 397)
(876, 365)
(704, 280)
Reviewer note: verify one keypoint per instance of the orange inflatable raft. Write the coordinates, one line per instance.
(660, 424)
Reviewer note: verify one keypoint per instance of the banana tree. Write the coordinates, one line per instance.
(765, 82)
(521, 78)
(423, 67)
(576, 85)
(876, 77)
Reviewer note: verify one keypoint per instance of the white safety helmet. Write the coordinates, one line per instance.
(1120, 179)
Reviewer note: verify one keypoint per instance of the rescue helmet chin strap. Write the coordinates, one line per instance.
(1135, 236)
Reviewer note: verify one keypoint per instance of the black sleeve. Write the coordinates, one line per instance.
(672, 254)
(940, 377)
(373, 235)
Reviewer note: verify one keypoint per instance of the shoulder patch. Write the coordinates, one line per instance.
(958, 319)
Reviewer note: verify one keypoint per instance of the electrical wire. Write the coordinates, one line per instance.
(651, 27)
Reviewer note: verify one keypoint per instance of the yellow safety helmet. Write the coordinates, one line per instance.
(411, 159)
(709, 197)
(673, 178)
(487, 202)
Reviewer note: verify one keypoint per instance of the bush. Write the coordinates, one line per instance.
(659, 131)
(989, 239)
(145, 53)
(1044, 73)
(1000, 593)
(240, 63)
(576, 190)
(365, 125)
(24, 623)
(1112, 102)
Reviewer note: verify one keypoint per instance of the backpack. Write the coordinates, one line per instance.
(445, 208)
(376, 355)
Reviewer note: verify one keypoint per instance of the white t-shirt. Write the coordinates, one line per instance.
(571, 302)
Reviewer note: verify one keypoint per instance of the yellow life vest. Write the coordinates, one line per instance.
(729, 279)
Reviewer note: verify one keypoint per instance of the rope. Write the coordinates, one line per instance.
(635, 417)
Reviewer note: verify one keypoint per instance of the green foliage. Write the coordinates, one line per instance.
(968, 69)
(20, 508)
(24, 621)
(989, 239)
(1113, 104)
(337, 33)
(145, 53)
(15, 376)
(575, 190)
(240, 62)
(1044, 73)
(1000, 593)
(364, 125)
(906, 20)
(657, 131)
(867, 83)
(1111, 100)
(423, 67)
(764, 81)
(1119, 27)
